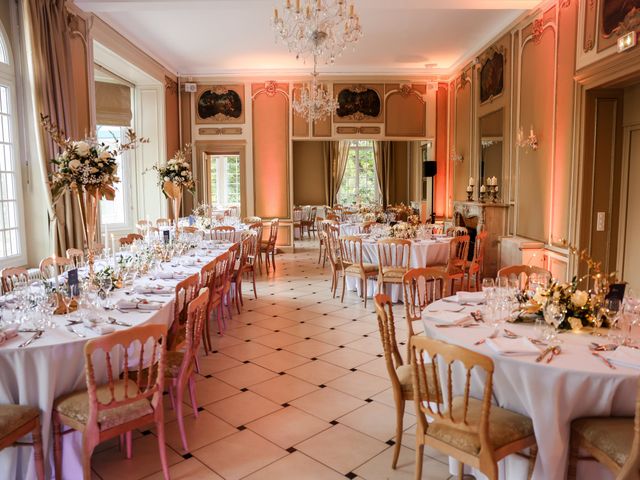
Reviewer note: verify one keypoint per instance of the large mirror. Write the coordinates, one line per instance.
(491, 129)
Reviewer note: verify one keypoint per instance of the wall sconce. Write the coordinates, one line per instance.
(456, 157)
(529, 143)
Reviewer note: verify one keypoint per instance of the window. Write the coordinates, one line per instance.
(12, 249)
(114, 213)
(225, 180)
(359, 184)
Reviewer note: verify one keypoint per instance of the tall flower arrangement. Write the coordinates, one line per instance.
(88, 169)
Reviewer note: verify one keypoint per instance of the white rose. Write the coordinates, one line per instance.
(579, 298)
(184, 174)
(74, 164)
(185, 164)
(100, 164)
(82, 148)
(172, 161)
(575, 323)
(166, 179)
(106, 155)
(93, 170)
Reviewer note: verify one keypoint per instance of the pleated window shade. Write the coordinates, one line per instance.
(113, 104)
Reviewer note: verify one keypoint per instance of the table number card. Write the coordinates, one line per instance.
(616, 292)
(72, 279)
(166, 235)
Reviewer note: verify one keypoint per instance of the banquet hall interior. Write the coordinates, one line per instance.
(319, 239)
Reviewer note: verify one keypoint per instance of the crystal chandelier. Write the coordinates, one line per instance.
(321, 29)
(315, 102)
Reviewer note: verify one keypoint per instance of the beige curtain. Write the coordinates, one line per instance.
(383, 156)
(335, 156)
(53, 95)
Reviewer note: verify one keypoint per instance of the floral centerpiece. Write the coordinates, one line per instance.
(202, 215)
(369, 217)
(87, 168)
(413, 220)
(175, 177)
(403, 230)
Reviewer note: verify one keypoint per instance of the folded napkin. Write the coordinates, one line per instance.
(163, 274)
(152, 288)
(475, 298)
(7, 334)
(444, 307)
(624, 357)
(512, 346)
(137, 304)
(187, 261)
(447, 317)
(99, 328)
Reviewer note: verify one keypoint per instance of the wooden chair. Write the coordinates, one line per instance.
(334, 217)
(522, 273)
(253, 257)
(353, 265)
(54, 266)
(186, 290)
(476, 266)
(182, 364)
(394, 260)
(399, 372)
(332, 248)
(420, 287)
(250, 220)
(234, 255)
(137, 236)
(142, 225)
(17, 421)
(215, 278)
(268, 247)
(366, 227)
(297, 221)
(322, 251)
(121, 405)
(125, 241)
(309, 223)
(76, 256)
(612, 441)
(163, 222)
(189, 229)
(12, 275)
(224, 233)
(456, 266)
(247, 252)
(457, 231)
(470, 430)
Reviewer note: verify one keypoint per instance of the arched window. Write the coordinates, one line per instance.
(12, 247)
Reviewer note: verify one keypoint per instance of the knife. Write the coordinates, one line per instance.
(544, 353)
(605, 360)
(33, 337)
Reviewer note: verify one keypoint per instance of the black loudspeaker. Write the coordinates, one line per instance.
(429, 169)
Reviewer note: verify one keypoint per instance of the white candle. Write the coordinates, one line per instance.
(106, 236)
(472, 182)
(55, 273)
(483, 189)
(469, 189)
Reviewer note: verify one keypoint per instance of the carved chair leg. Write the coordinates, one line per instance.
(37, 450)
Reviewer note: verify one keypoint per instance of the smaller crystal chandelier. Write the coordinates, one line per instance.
(315, 102)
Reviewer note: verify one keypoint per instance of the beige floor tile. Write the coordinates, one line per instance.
(280, 361)
(379, 467)
(376, 367)
(247, 351)
(310, 348)
(242, 408)
(318, 372)
(301, 315)
(296, 466)
(347, 358)
(323, 308)
(341, 448)
(275, 323)
(111, 464)
(327, 403)
(219, 342)
(200, 431)
(360, 384)
(210, 390)
(337, 337)
(376, 420)
(367, 345)
(348, 313)
(283, 388)
(288, 426)
(245, 375)
(328, 321)
(247, 332)
(216, 362)
(240, 454)
(278, 339)
(274, 310)
(305, 330)
(358, 327)
(188, 470)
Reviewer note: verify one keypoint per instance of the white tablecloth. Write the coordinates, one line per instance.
(54, 365)
(576, 384)
(424, 253)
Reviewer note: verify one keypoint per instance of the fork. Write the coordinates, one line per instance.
(32, 338)
(482, 340)
(72, 330)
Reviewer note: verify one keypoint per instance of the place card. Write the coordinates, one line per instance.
(166, 235)
(72, 280)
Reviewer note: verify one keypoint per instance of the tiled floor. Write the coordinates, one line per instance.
(297, 389)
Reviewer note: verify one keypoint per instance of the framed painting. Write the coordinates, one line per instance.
(492, 77)
(359, 103)
(617, 17)
(220, 104)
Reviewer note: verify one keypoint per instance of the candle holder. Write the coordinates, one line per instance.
(493, 193)
(482, 197)
(470, 195)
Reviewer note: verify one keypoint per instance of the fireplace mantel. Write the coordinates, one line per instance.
(490, 217)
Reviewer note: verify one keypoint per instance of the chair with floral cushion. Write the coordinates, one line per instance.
(186, 290)
(612, 441)
(224, 233)
(13, 275)
(476, 265)
(54, 266)
(268, 247)
(456, 266)
(243, 267)
(471, 430)
(399, 372)
(227, 298)
(119, 405)
(163, 222)
(76, 256)
(394, 260)
(17, 421)
(353, 265)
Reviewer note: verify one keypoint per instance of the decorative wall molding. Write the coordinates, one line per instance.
(358, 130)
(220, 131)
(220, 104)
(270, 88)
(537, 30)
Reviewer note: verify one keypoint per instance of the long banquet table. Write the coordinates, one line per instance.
(576, 384)
(54, 365)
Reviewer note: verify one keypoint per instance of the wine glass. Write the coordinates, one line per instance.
(67, 299)
(107, 284)
(554, 314)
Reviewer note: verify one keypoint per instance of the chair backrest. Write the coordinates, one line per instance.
(458, 252)
(631, 469)
(136, 236)
(312, 215)
(333, 216)
(76, 256)
(234, 211)
(225, 233)
(351, 250)
(394, 252)
(186, 290)
(457, 231)
(125, 240)
(297, 215)
(387, 328)
(11, 276)
(142, 225)
(366, 227)
(249, 220)
(422, 286)
(247, 248)
(437, 229)
(189, 229)
(427, 353)
(273, 232)
(196, 316)
(163, 222)
(143, 351)
(218, 280)
(54, 265)
(234, 255)
(478, 249)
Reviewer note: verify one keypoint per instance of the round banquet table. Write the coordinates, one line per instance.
(574, 385)
(424, 253)
(54, 365)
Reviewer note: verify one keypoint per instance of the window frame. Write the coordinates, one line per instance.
(8, 79)
(220, 161)
(354, 146)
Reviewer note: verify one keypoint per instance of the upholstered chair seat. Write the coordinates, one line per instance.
(613, 436)
(17, 421)
(406, 382)
(394, 272)
(13, 417)
(505, 427)
(367, 267)
(75, 406)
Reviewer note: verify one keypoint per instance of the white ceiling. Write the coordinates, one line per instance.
(235, 37)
